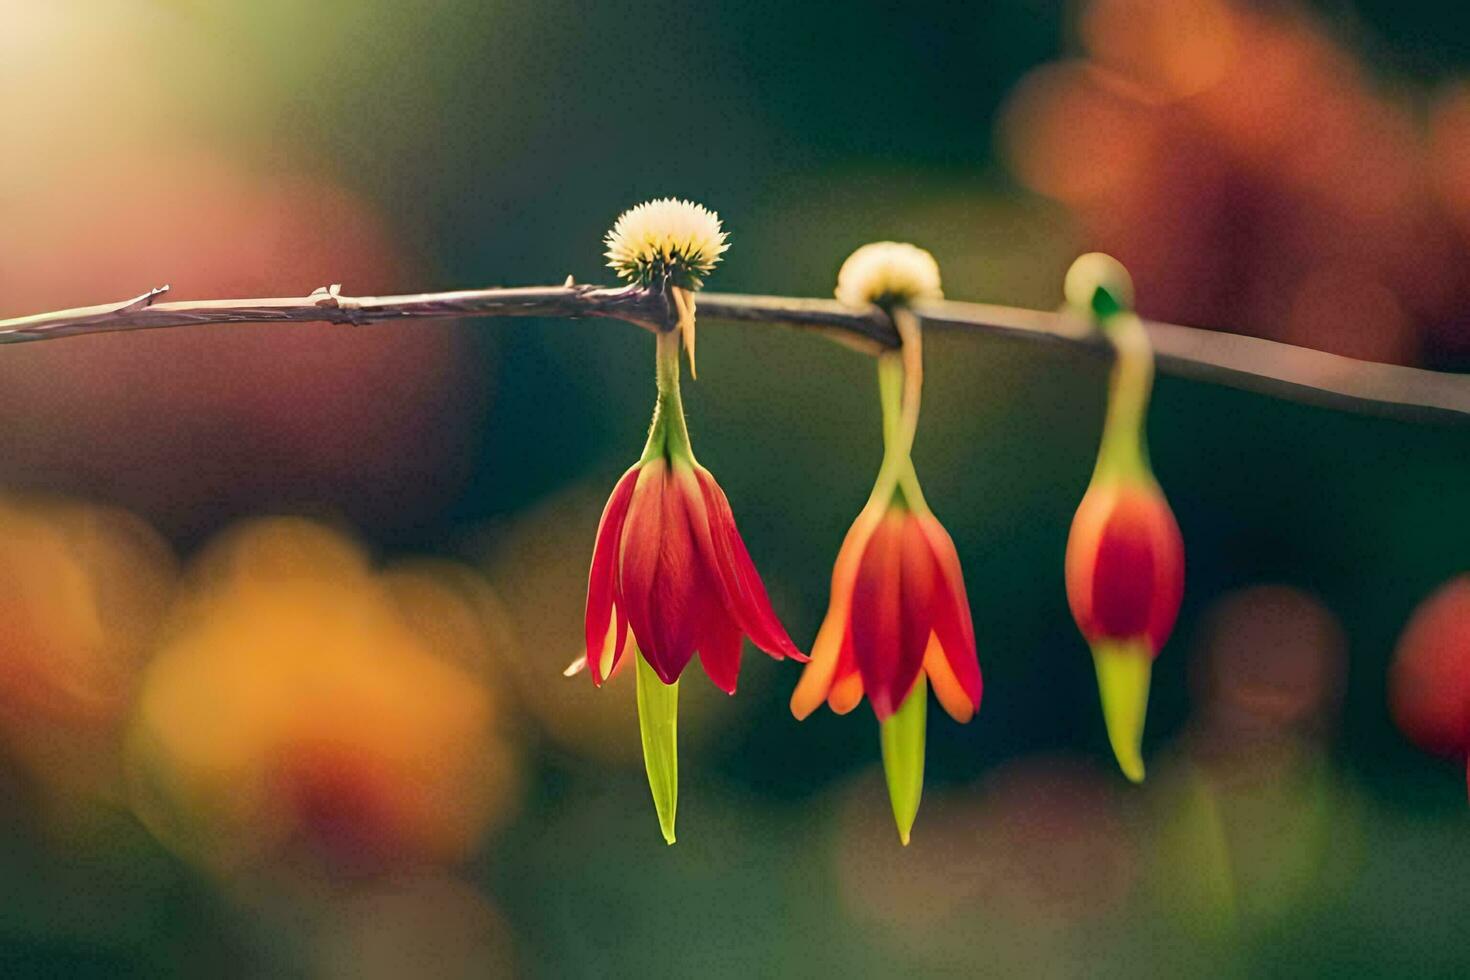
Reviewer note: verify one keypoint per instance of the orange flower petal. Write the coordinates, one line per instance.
(953, 626)
(817, 679)
(951, 693)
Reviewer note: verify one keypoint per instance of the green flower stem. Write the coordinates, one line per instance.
(890, 398)
(912, 351)
(668, 436)
(658, 723)
(900, 413)
(1124, 450)
(903, 756)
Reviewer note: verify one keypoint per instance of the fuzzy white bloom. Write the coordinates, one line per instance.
(679, 239)
(888, 273)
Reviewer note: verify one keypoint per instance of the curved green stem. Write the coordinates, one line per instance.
(668, 435)
(1124, 449)
(900, 384)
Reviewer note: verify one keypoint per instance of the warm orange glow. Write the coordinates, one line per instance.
(82, 589)
(295, 707)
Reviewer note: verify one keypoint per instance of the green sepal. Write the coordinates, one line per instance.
(658, 723)
(1123, 671)
(903, 756)
(1105, 303)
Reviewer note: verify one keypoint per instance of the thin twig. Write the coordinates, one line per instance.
(329, 305)
(1264, 366)
(1267, 367)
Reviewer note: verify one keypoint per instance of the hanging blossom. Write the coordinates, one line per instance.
(670, 574)
(899, 618)
(1125, 555)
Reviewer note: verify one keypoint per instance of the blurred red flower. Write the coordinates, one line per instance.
(1247, 169)
(1429, 682)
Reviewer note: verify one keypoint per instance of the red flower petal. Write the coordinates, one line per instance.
(832, 650)
(744, 592)
(891, 618)
(920, 586)
(660, 577)
(602, 579)
(1125, 564)
(1124, 570)
(1168, 546)
(719, 651)
(953, 626)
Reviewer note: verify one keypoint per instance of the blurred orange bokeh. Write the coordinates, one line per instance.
(298, 710)
(82, 590)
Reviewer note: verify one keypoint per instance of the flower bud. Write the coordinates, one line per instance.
(1125, 555)
(888, 274)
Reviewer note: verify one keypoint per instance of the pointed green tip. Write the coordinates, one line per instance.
(903, 757)
(658, 716)
(1123, 670)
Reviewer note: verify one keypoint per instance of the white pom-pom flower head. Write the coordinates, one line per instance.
(667, 240)
(888, 274)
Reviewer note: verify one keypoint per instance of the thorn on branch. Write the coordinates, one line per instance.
(331, 297)
(326, 295)
(144, 301)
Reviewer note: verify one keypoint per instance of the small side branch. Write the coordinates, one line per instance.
(1251, 363)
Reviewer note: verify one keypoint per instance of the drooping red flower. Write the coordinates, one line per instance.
(898, 609)
(1125, 556)
(670, 567)
(1125, 564)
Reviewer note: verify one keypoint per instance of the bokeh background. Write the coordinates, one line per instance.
(284, 609)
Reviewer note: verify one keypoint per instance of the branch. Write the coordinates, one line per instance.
(1267, 367)
(1280, 370)
(327, 304)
